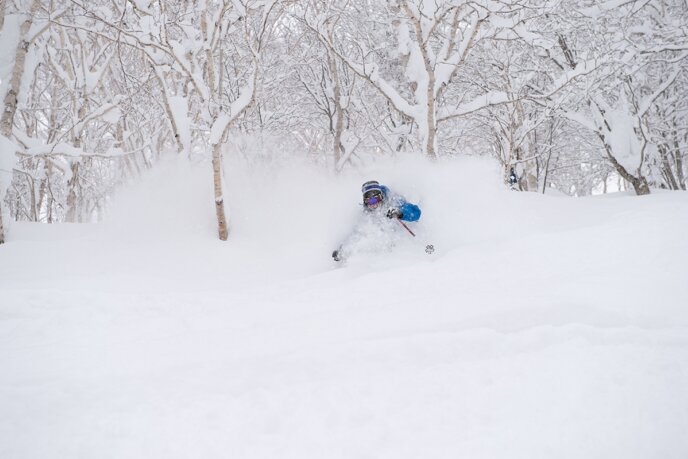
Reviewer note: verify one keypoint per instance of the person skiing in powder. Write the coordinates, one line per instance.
(381, 207)
(513, 179)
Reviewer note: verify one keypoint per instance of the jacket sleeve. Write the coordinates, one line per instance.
(410, 212)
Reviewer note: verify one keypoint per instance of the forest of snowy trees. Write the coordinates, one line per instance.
(579, 96)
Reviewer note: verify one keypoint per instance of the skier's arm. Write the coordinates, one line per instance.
(409, 212)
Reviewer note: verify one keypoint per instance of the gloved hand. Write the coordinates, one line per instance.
(336, 255)
(394, 213)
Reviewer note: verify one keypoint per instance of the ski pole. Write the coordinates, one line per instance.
(429, 248)
(407, 228)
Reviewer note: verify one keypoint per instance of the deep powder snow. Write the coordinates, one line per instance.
(542, 327)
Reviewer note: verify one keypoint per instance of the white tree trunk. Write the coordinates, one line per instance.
(339, 111)
(222, 227)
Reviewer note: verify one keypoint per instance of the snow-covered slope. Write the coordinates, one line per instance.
(542, 327)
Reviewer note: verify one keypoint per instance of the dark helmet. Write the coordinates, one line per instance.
(372, 194)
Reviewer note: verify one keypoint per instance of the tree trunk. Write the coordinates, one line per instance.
(72, 197)
(222, 228)
(678, 159)
(666, 166)
(639, 183)
(431, 130)
(679, 171)
(549, 157)
(31, 185)
(168, 109)
(2, 227)
(339, 112)
(640, 186)
(3, 7)
(431, 126)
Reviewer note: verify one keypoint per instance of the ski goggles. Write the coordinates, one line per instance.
(373, 200)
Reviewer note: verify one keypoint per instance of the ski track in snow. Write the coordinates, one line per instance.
(542, 327)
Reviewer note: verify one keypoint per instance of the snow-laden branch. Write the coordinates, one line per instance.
(648, 101)
(583, 119)
(445, 70)
(36, 148)
(604, 7)
(228, 115)
(481, 102)
(98, 113)
(371, 75)
(150, 48)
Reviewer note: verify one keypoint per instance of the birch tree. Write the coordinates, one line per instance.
(432, 39)
(206, 56)
(18, 41)
(330, 87)
(67, 120)
(644, 56)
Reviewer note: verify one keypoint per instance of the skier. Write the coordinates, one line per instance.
(513, 180)
(378, 202)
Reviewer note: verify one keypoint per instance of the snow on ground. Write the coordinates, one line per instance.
(542, 327)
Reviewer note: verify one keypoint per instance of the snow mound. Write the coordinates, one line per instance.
(542, 327)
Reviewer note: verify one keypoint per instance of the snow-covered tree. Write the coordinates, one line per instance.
(643, 59)
(205, 56)
(16, 36)
(572, 94)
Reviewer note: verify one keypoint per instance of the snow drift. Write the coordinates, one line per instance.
(542, 326)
